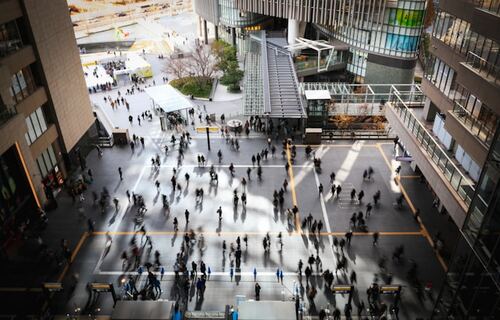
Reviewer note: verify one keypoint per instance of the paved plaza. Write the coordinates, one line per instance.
(92, 261)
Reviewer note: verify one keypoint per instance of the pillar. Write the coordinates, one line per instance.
(205, 31)
(293, 30)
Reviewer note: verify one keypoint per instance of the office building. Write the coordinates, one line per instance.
(44, 104)
(454, 142)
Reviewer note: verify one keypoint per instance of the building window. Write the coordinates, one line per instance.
(22, 84)
(36, 124)
(47, 162)
(10, 39)
(442, 76)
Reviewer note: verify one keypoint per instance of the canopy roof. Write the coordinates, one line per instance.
(168, 98)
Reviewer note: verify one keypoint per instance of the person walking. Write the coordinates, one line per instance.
(120, 173)
(257, 291)
(219, 212)
(375, 238)
(348, 237)
(368, 209)
(90, 224)
(320, 188)
(186, 214)
(176, 223)
(299, 267)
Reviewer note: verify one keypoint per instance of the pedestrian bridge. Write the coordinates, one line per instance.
(334, 99)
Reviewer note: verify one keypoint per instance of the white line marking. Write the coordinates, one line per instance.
(217, 273)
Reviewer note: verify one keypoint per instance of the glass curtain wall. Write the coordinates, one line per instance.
(472, 286)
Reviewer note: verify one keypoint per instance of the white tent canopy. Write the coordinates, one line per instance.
(168, 98)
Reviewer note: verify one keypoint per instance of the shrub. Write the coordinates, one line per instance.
(196, 86)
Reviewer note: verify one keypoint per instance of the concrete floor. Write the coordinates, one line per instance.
(347, 159)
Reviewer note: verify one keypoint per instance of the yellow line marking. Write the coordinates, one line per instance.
(425, 233)
(292, 187)
(379, 147)
(334, 145)
(73, 255)
(217, 234)
(28, 175)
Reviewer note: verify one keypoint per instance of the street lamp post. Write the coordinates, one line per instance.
(208, 137)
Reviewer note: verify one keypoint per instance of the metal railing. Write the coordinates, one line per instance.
(460, 183)
(483, 67)
(492, 6)
(477, 127)
(364, 99)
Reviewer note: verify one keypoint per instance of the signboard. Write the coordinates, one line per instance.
(342, 289)
(390, 289)
(204, 129)
(52, 286)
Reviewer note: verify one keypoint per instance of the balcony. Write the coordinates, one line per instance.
(486, 69)
(10, 10)
(476, 127)
(454, 188)
(35, 99)
(482, 78)
(440, 100)
(459, 8)
(17, 59)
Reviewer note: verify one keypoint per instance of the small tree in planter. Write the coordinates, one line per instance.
(227, 62)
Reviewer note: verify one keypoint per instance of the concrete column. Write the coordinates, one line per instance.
(293, 30)
(205, 31)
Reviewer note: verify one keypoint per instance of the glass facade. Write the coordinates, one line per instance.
(36, 124)
(231, 16)
(394, 31)
(457, 34)
(356, 64)
(397, 33)
(472, 285)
